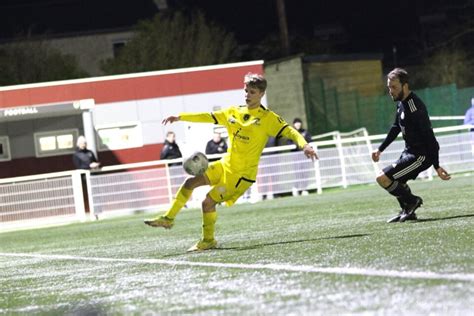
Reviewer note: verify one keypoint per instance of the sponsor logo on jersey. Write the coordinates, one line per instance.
(241, 137)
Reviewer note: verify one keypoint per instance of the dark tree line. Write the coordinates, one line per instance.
(176, 39)
(30, 61)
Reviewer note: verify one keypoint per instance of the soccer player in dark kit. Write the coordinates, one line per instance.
(421, 146)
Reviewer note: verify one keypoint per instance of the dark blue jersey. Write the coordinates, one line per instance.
(170, 151)
(216, 148)
(83, 158)
(413, 121)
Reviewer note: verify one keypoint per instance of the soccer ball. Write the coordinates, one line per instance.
(196, 164)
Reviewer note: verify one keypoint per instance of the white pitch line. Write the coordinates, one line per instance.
(469, 277)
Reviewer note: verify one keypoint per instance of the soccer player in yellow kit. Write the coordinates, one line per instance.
(249, 128)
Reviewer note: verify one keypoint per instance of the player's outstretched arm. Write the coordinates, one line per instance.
(290, 133)
(443, 174)
(170, 119)
(310, 152)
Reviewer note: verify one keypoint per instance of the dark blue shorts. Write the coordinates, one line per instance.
(407, 167)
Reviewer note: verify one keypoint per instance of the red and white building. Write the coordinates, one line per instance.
(119, 115)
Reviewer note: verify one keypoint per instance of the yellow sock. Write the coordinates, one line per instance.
(208, 224)
(182, 196)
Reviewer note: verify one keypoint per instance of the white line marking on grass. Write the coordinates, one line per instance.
(274, 267)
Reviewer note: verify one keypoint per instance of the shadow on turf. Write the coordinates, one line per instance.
(421, 220)
(290, 242)
(270, 244)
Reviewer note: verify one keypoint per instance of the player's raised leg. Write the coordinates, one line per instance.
(209, 218)
(182, 196)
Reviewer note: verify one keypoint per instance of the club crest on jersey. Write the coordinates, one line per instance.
(256, 121)
(246, 117)
(232, 120)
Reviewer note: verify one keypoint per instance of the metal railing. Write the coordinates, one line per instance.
(344, 160)
(42, 199)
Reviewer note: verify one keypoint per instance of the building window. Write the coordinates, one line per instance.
(55, 142)
(119, 136)
(117, 48)
(4, 149)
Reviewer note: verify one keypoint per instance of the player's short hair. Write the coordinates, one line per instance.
(400, 74)
(169, 133)
(256, 81)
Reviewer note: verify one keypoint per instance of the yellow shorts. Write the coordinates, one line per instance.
(226, 186)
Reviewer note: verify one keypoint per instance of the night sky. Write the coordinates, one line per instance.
(368, 26)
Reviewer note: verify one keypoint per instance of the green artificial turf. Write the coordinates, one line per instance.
(274, 257)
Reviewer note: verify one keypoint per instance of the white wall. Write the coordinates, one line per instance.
(150, 112)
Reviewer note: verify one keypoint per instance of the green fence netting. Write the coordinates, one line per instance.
(328, 109)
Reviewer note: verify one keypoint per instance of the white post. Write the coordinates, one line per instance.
(78, 195)
(168, 180)
(369, 146)
(254, 195)
(341, 159)
(317, 171)
(430, 173)
(89, 195)
(89, 131)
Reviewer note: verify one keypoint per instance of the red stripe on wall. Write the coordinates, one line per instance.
(32, 165)
(132, 155)
(116, 90)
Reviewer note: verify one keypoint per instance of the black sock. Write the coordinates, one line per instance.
(401, 203)
(402, 192)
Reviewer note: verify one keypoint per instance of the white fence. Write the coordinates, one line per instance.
(344, 160)
(44, 199)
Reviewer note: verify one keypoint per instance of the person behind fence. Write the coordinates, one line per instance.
(421, 146)
(84, 158)
(249, 127)
(170, 149)
(298, 125)
(469, 116)
(216, 145)
(300, 184)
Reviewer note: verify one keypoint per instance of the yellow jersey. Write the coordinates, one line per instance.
(249, 130)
